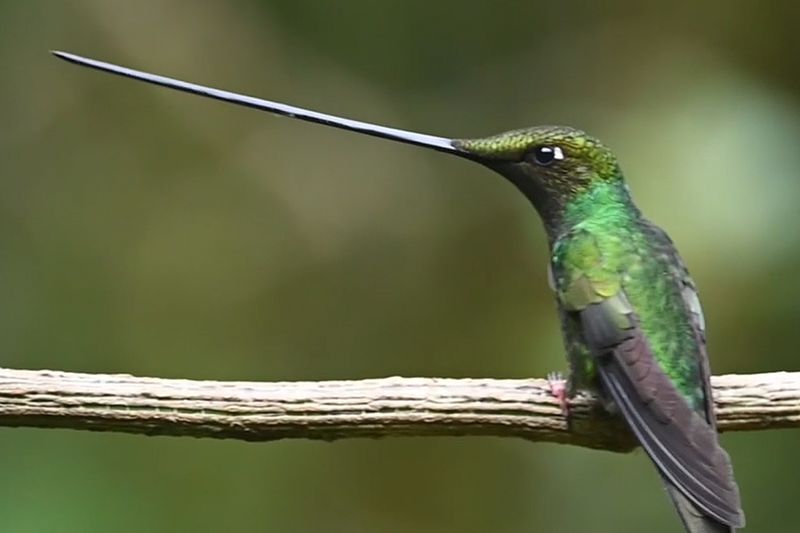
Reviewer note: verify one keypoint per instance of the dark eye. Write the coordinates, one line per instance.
(546, 155)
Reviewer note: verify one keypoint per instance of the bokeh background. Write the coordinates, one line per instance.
(153, 233)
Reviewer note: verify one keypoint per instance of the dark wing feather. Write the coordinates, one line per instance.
(680, 442)
(694, 521)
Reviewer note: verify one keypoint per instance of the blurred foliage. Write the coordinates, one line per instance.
(153, 233)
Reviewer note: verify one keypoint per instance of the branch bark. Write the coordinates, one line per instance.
(330, 410)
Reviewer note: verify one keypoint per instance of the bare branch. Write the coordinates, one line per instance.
(331, 410)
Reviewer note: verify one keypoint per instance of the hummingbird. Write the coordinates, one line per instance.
(630, 315)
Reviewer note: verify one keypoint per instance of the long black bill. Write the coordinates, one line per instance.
(441, 144)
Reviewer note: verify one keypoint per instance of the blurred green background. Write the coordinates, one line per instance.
(153, 233)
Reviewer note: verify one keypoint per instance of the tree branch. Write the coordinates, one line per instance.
(330, 410)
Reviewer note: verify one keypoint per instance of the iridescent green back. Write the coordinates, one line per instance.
(614, 250)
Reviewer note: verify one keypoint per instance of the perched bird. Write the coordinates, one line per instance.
(631, 318)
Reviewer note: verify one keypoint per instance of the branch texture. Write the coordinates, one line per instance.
(330, 410)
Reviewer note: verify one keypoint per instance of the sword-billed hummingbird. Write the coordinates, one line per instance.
(631, 318)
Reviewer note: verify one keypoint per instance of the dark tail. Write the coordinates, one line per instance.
(693, 520)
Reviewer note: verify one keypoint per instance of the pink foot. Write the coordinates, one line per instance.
(558, 388)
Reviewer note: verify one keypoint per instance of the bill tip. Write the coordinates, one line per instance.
(62, 55)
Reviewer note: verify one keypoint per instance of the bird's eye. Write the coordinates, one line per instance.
(546, 155)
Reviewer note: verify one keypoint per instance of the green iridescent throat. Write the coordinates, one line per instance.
(602, 205)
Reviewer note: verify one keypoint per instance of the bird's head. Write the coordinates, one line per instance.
(551, 165)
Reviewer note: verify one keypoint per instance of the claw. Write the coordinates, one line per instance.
(558, 388)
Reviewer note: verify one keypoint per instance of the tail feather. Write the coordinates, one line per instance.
(693, 520)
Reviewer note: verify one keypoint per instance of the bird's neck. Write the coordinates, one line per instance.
(605, 206)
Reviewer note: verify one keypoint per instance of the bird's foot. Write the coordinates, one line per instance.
(558, 388)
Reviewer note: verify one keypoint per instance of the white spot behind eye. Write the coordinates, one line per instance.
(558, 153)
